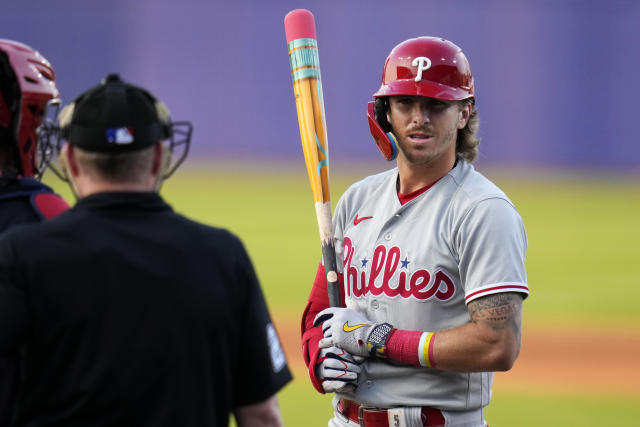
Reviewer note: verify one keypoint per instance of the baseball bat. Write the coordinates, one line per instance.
(302, 44)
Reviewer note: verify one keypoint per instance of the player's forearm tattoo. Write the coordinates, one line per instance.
(499, 311)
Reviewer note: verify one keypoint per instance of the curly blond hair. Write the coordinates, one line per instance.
(468, 140)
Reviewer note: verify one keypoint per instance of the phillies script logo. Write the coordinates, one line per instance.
(379, 276)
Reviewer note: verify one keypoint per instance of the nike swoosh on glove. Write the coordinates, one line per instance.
(352, 331)
(338, 370)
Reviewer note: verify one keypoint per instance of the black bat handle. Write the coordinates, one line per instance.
(331, 274)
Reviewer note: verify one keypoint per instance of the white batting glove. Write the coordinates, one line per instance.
(352, 331)
(338, 369)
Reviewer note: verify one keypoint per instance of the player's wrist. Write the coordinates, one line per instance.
(377, 339)
(412, 347)
(427, 340)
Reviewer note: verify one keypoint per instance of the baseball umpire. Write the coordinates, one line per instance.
(129, 313)
(433, 261)
(27, 87)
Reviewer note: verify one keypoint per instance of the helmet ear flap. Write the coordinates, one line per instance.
(386, 141)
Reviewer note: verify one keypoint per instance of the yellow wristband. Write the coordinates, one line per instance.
(425, 349)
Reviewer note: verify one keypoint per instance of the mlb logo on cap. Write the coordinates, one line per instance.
(121, 135)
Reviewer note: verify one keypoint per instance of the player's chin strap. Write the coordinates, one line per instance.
(386, 141)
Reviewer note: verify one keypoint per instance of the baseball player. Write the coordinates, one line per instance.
(128, 313)
(27, 86)
(433, 254)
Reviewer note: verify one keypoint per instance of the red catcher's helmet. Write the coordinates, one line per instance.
(27, 84)
(424, 66)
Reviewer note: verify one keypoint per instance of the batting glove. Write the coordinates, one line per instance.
(352, 331)
(338, 370)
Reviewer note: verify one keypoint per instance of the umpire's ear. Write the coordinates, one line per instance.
(68, 160)
(160, 163)
(161, 159)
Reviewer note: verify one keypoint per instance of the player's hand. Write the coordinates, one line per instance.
(338, 370)
(352, 331)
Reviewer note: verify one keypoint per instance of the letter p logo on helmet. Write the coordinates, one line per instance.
(423, 63)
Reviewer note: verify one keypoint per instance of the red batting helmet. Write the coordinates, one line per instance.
(27, 84)
(424, 66)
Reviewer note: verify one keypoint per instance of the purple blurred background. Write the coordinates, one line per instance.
(556, 80)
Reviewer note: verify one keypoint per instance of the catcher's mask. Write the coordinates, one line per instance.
(27, 87)
(424, 66)
(117, 117)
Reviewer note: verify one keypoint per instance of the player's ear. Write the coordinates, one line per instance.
(464, 114)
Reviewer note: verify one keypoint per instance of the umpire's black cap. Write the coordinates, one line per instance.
(115, 117)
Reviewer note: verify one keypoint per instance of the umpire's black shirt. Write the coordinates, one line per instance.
(132, 315)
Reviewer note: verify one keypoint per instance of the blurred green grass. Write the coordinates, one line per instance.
(582, 263)
(559, 410)
(584, 247)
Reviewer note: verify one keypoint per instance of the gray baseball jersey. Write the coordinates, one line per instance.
(417, 265)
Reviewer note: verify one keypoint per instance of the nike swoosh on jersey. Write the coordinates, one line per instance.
(348, 328)
(357, 220)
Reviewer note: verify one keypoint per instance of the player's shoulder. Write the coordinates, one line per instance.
(476, 198)
(366, 191)
(21, 187)
(473, 187)
(37, 197)
(371, 183)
